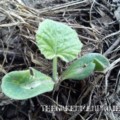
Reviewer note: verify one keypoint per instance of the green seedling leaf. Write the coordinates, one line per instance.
(55, 39)
(99, 66)
(79, 73)
(100, 63)
(26, 84)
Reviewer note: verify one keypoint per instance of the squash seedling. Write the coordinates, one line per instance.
(56, 41)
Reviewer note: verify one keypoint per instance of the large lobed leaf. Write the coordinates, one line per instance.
(26, 84)
(85, 65)
(55, 39)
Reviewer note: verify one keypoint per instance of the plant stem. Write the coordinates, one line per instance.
(55, 74)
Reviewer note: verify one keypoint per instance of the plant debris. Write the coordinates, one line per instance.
(97, 24)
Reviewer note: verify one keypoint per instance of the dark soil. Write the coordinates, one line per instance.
(97, 23)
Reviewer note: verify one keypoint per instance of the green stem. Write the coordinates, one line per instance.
(55, 74)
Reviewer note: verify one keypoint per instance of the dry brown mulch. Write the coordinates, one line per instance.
(97, 23)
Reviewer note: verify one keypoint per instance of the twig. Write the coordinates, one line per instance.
(108, 71)
(112, 65)
(11, 24)
(117, 83)
(112, 47)
(112, 34)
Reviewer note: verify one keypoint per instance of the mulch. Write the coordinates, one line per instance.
(97, 23)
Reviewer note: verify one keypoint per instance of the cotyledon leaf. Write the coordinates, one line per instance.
(26, 84)
(100, 63)
(55, 39)
(80, 73)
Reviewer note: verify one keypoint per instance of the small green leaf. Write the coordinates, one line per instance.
(99, 66)
(79, 73)
(55, 39)
(26, 84)
(100, 63)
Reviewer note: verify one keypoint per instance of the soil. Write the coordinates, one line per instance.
(97, 23)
